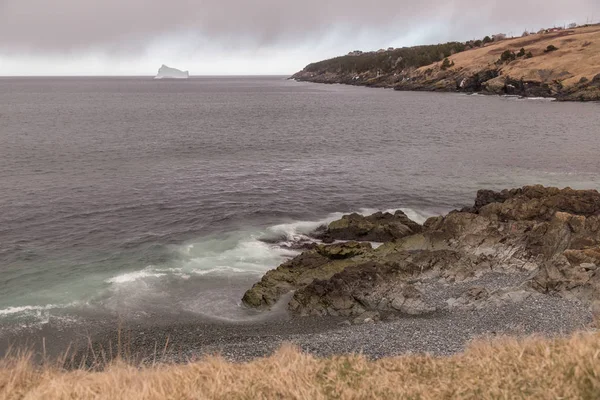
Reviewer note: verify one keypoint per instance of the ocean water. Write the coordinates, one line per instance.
(144, 199)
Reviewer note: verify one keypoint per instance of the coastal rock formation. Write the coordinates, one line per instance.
(379, 227)
(510, 246)
(371, 286)
(319, 263)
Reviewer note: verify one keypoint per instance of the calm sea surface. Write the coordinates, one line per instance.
(135, 197)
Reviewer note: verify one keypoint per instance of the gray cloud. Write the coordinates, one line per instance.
(54, 26)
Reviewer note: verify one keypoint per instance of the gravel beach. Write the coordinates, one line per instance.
(442, 332)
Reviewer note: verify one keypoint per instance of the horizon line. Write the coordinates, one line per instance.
(143, 76)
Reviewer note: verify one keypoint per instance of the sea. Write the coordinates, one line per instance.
(149, 200)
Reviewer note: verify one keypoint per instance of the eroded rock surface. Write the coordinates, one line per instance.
(379, 227)
(510, 247)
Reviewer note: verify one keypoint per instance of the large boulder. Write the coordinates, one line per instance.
(379, 227)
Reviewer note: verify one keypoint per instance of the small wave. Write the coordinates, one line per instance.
(540, 98)
(134, 276)
(32, 309)
(220, 270)
(525, 98)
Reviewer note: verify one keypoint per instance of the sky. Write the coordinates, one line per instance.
(246, 37)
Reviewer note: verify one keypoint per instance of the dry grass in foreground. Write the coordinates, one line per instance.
(534, 368)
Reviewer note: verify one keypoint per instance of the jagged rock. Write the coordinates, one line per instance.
(343, 250)
(485, 197)
(319, 263)
(379, 227)
(541, 203)
(364, 287)
(478, 298)
(548, 238)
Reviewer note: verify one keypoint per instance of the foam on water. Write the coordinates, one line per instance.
(243, 252)
(29, 309)
(134, 276)
(189, 279)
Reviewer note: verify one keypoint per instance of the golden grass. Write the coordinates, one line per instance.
(578, 56)
(532, 368)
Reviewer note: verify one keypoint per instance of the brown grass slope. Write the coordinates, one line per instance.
(578, 56)
(533, 368)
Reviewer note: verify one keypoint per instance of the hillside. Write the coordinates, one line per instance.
(563, 64)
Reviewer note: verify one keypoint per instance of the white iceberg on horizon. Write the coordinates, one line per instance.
(171, 73)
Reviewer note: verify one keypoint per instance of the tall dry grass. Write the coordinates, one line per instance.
(533, 368)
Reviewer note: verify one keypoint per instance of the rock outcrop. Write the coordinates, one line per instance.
(510, 246)
(319, 263)
(379, 227)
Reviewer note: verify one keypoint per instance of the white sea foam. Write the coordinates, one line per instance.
(134, 276)
(229, 256)
(298, 230)
(540, 98)
(234, 254)
(32, 309)
(219, 269)
(243, 252)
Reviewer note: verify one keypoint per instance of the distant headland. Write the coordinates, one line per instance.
(558, 62)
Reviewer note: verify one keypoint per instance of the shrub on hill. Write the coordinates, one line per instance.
(388, 61)
(507, 56)
(550, 48)
(446, 64)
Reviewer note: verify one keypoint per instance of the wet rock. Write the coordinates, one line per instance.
(541, 203)
(319, 263)
(478, 298)
(379, 227)
(343, 251)
(548, 238)
(369, 286)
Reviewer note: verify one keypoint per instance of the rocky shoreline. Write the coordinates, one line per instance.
(510, 248)
(487, 82)
(517, 262)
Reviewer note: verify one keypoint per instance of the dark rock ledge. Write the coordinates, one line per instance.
(510, 247)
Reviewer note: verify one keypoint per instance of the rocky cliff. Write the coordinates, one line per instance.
(510, 247)
(563, 64)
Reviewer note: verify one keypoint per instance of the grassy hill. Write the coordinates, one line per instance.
(563, 64)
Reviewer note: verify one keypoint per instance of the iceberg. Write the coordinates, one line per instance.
(171, 73)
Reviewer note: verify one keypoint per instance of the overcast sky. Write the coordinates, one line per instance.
(218, 37)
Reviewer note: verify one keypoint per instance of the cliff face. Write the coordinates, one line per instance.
(563, 64)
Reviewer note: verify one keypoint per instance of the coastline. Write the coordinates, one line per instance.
(558, 64)
(434, 89)
(517, 263)
(440, 334)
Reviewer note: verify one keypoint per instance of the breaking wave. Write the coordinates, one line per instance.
(206, 276)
